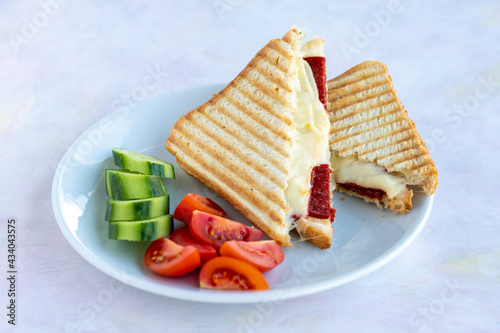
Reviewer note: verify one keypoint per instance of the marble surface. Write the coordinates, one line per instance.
(67, 64)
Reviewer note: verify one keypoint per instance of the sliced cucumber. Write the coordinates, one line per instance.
(128, 185)
(145, 230)
(140, 209)
(145, 164)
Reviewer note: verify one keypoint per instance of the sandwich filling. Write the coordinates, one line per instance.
(366, 179)
(309, 181)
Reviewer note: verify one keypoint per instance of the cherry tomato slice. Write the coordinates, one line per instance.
(216, 230)
(264, 255)
(232, 274)
(192, 202)
(164, 257)
(182, 237)
(254, 234)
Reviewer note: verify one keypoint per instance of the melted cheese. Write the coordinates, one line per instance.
(313, 48)
(311, 147)
(351, 170)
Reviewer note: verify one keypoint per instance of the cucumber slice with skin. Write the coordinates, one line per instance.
(145, 164)
(128, 185)
(140, 209)
(145, 230)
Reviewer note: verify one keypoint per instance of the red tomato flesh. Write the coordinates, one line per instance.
(321, 196)
(192, 202)
(264, 255)
(167, 258)
(183, 237)
(215, 230)
(231, 274)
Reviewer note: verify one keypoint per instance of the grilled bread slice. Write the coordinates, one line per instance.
(376, 150)
(241, 143)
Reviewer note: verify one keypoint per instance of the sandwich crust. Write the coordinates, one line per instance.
(368, 121)
(317, 231)
(400, 204)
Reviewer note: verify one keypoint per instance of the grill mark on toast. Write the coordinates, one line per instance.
(272, 78)
(378, 149)
(360, 120)
(262, 104)
(264, 89)
(278, 144)
(404, 158)
(354, 146)
(355, 76)
(261, 159)
(237, 169)
(227, 176)
(421, 165)
(402, 153)
(279, 81)
(340, 137)
(337, 115)
(235, 190)
(364, 95)
(355, 87)
(281, 50)
(359, 87)
(372, 103)
(275, 157)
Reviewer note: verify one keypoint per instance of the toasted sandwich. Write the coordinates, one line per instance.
(262, 142)
(376, 151)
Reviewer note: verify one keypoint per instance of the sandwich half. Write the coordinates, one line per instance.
(376, 151)
(262, 142)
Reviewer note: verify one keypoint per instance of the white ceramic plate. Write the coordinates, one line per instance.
(365, 237)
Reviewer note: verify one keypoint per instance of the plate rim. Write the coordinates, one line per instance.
(207, 296)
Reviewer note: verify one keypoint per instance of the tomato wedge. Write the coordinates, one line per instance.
(182, 237)
(264, 255)
(192, 202)
(216, 230)
(232, 274)
(164, 257)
